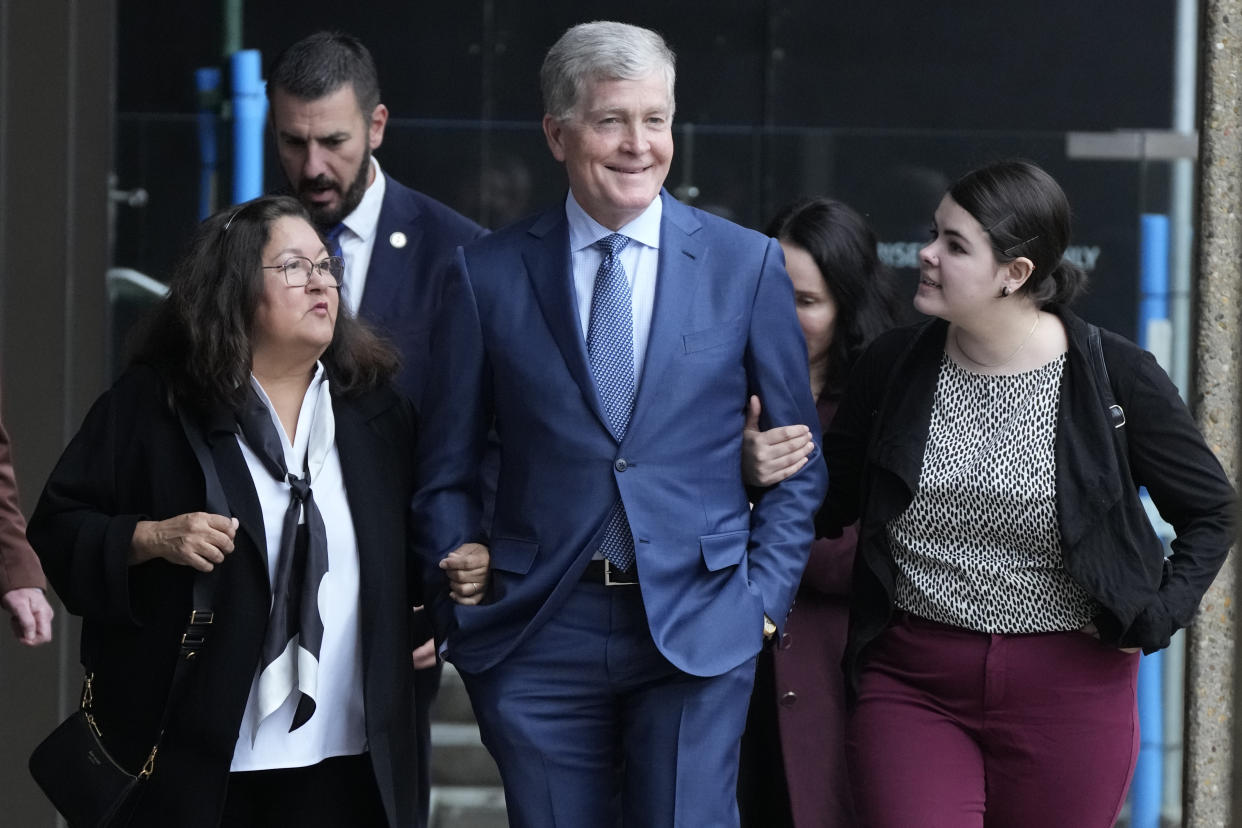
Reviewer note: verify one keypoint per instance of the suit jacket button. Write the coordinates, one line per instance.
(786, 641)
(621, 465)
(789, 699)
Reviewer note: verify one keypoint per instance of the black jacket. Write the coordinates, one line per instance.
(874, 449)
(130, 461)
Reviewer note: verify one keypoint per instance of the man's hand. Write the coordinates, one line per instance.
(32, 615)
(425, 655)
(768, 457)
(467, 570)
(196, 539)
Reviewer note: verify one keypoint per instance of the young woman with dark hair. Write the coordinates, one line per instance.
(1008, 574)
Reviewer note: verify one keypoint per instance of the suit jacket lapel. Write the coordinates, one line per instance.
(389, 264)
(550, 269)
(682, 256)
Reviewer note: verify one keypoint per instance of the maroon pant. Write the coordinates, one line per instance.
(961, 729)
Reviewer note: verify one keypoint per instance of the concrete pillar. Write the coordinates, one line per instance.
(56, 112)
(1211, 782)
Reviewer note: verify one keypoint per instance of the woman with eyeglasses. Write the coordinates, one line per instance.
(1007, 573)
(297, 708)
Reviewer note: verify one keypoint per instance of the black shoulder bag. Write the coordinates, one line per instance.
(72, 766)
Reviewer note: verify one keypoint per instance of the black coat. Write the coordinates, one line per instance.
(874, 449)
(131, 461)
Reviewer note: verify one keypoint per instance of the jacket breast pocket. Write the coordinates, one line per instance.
(715, 337)
(724, 549)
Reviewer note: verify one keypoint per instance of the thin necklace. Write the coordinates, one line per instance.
(958, 342)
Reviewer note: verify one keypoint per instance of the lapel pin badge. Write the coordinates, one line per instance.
(397, 239)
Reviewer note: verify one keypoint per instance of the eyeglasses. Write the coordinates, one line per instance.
(298, 269)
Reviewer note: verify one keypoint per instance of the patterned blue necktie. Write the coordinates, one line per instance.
(610, 344)
(334, 238)
(334, 247)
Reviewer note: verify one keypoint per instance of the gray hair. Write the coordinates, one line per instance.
(602, 50)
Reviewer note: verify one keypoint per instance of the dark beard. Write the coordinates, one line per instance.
(326, 218)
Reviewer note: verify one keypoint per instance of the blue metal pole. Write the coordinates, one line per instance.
(1147, 788)
(207, 84)
(1146, 792)
(1153, 273)
(249, 112)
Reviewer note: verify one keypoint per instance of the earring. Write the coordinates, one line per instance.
(1005, 291)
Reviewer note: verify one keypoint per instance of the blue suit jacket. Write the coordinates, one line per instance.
(402, 285)
(509, 347)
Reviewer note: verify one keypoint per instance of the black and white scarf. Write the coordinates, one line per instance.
(290, 655)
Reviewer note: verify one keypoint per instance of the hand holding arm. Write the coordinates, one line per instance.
(467, 571)
(781, 521)
(32, 615)
(195, 539)
(425, 655)
(768, 457)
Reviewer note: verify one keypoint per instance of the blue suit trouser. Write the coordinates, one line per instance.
(592, 727)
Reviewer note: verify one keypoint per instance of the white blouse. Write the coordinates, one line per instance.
(338, 727)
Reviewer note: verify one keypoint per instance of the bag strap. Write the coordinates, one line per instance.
(1116, 414)
(201, 615)
(194, 638)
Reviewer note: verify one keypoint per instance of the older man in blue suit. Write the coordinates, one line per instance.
(613, 341)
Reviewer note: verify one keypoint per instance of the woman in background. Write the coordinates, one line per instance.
(793, 756)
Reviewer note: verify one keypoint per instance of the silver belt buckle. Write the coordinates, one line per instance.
(626, 580)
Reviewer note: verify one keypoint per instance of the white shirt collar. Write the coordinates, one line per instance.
(585, 231)
(316, 426)
(365, 217)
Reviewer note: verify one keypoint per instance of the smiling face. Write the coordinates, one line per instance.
(817, 309)
(959, 276)
(293, 324)
(325, 149)
(616, 146)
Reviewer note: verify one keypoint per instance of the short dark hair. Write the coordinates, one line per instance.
(321, 63)
(1024, 212)
(199, 336)
(843, 247)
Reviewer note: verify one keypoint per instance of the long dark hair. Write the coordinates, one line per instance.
(1024, 212)
(200, 335)
(843, 247)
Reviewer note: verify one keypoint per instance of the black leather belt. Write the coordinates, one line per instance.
(603, 572)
